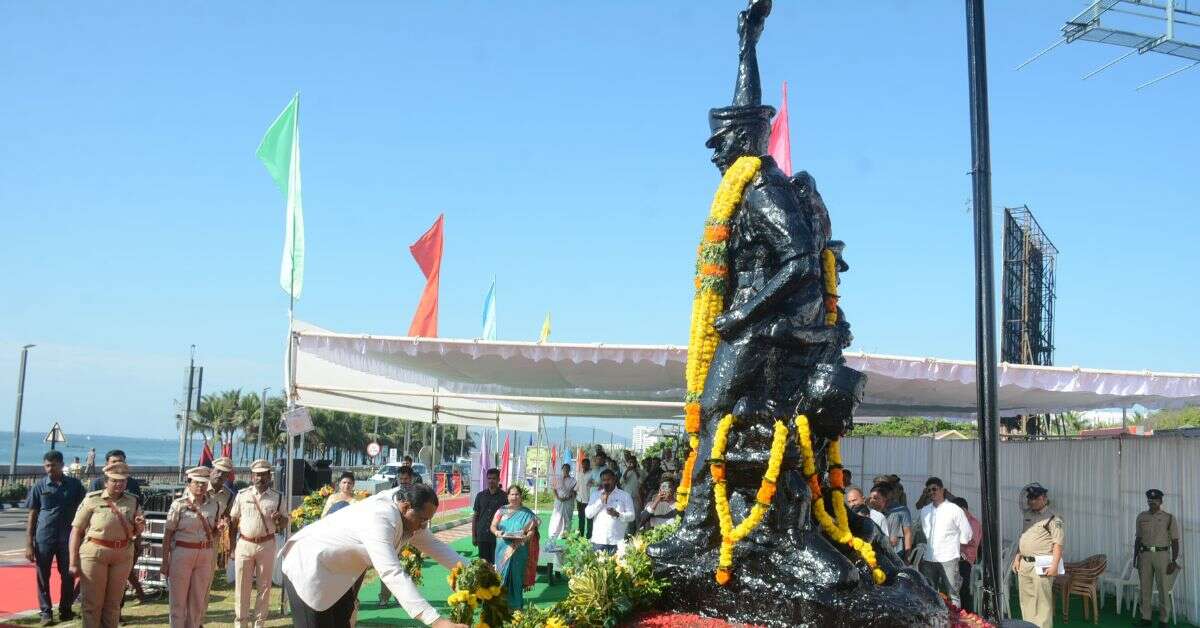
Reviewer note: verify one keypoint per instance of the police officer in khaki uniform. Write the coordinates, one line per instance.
(1157, 531)
(257, 514)
(219, 493)
(222, 469)
(1042, 537)
(188, 559)
(102, 541)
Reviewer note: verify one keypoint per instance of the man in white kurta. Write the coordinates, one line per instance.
(564, 503)
(323, 563)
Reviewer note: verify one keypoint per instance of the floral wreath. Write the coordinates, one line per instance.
(477, 584)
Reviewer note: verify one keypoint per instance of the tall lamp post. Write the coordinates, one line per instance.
(261, 417)
(12, 468)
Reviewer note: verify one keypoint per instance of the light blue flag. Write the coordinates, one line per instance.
(489, 313)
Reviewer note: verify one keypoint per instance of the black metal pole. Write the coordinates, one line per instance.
(12, 468)
(985, 311)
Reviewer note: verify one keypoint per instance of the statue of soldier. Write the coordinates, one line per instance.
(776, 358)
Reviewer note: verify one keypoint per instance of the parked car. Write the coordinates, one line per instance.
(387, 473)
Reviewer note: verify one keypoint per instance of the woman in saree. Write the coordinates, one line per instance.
(514, 526)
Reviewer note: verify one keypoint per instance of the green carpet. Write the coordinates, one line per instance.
(436, 589)
(1108, 614)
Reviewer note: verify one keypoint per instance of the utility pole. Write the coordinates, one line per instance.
(12, 469)
(185, 435)
(262, 417)
(985, 308)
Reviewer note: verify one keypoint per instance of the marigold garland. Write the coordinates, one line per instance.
(712, 274)
(838, 530)
(730, 535)
(829, 266)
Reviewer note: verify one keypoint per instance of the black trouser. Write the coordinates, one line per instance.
(487, 547)
(44, 553)
(585, 524)
(964, 571)
(336, 616)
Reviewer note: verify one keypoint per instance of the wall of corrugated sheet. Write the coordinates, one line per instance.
(1098, 486)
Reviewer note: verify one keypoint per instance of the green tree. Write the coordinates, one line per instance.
(913, 426)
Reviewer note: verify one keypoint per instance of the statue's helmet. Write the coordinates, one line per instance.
(723, 119)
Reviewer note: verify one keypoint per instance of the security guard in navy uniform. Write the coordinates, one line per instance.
(1156, 532)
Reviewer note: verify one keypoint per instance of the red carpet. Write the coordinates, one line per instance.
(446, 504)
(18, 588)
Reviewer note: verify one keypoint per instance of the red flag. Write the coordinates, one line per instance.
(504, 463)
(780, 144)
(427, 250)
(227, 449)
(206, 455)
(553, 459)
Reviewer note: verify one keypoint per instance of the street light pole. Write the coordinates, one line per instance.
(12, 468)
(261, 418)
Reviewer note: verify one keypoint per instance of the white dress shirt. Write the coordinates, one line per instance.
(946, 530)
(323, 560)
(607, 529)
(880, 521)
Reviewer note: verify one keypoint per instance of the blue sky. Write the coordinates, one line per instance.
(564, 143)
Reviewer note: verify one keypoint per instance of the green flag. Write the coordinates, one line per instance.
(280, 153)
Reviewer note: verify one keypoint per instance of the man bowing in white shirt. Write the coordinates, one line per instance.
(324, 563)
(611, 510)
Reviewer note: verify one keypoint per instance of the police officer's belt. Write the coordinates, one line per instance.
(204, 545)
(261, 539)
(110, 544)
(1155, 548)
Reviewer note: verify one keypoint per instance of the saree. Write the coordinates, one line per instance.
(511, 559)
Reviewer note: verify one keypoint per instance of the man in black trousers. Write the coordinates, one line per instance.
(52, 503)
(487, 502)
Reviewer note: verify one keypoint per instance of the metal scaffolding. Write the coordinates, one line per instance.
(1028, 284)
(1027, 330)
(1119, 22)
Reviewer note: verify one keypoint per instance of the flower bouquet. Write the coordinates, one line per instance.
(477, 584)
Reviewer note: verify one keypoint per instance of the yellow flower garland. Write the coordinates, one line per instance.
(838, 530)
(731, 535)
(711, 276)
(829, 266)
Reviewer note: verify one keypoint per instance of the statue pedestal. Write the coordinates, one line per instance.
(786, 572)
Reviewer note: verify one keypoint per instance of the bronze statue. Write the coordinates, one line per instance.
(779, 356)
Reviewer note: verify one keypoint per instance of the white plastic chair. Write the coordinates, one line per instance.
(1170, 592)
(1119, 581)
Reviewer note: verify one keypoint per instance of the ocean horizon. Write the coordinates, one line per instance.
(139, 451)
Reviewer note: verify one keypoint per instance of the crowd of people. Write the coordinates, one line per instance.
(93, 536)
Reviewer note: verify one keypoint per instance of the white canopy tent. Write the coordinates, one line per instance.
(508, 385)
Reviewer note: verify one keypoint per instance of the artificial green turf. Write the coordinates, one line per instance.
(436, 589)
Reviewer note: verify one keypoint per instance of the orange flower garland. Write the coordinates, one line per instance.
(731, 535)
(829, 266)
(838, 530)
(711, 276)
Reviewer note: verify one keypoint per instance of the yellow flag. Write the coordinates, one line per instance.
(545, 335)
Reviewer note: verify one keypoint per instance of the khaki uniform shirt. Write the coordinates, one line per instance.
(245, 512)
(100, 522)
(185, 522)
(222, 498)
(1042, 530)
(1157, 529)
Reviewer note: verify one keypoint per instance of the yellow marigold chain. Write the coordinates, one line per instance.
(711, 276)
(838, 530)
(730, 535)
(829, 266)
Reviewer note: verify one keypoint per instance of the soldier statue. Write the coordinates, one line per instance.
(777, 358)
